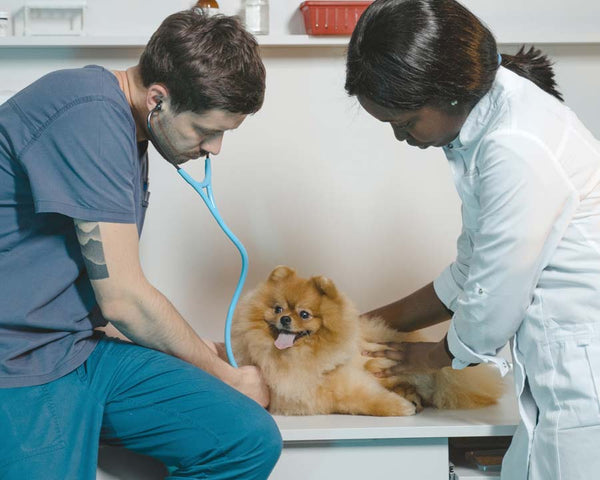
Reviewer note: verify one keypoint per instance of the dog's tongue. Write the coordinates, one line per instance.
(285, 340)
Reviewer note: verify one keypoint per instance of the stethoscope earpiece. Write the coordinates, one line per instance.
(157, 108)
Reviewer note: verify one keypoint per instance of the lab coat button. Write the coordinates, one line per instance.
(450, 146)
(480, 291)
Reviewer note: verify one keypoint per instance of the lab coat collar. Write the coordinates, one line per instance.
(489, 106)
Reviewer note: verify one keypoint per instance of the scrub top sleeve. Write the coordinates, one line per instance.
(81, 163)
(525, 205)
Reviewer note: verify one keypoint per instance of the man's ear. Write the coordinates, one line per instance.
(281, 272)
(325, 286)
(156, 93)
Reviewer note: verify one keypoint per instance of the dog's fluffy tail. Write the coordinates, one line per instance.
(472, 387)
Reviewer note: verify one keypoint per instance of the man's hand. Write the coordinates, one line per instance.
(249, 380)
(412, 357)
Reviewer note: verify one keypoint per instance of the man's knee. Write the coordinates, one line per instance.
(248, 451)
(261, 442)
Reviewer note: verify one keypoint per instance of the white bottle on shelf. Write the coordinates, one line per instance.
(256, 13)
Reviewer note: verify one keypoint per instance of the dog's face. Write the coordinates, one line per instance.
(296, 313)
(293, 307)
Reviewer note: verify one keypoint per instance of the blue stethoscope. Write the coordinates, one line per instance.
(204, 189)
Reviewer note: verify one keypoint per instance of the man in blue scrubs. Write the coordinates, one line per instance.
(73, 194)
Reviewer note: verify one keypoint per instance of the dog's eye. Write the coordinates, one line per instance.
(278, 309)
(304, 314)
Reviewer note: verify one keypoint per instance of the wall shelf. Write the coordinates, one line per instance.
(512, 21)
(76, 41)
(283, 40)
(138, 41)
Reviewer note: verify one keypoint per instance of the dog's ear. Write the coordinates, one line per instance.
(325, 286)
(281, 272)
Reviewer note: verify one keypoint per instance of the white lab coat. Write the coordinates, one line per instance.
(528, 268)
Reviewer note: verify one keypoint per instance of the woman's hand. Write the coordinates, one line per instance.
(412, 357)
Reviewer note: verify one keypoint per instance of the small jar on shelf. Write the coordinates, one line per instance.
(208, 7)
(256, 14)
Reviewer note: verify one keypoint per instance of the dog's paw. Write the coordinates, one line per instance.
(406, 408)
(417, 402)
(395, 407)
(410, 393)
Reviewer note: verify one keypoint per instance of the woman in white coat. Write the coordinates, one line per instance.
(528, 258)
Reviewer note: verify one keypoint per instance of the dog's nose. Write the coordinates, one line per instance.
(285, 321)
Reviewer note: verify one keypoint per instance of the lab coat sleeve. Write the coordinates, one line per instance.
(449, 285)
(525, 205)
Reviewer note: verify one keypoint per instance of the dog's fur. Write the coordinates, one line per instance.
(323, 370)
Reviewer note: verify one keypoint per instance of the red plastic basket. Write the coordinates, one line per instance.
(332, 18)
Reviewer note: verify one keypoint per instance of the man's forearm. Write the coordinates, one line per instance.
(418, 310)
(148, 318)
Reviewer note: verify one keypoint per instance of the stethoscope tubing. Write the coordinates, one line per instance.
(207, 196)
(204, 189)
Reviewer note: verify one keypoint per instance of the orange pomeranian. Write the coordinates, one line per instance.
(307, 339)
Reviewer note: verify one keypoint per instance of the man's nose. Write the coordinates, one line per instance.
(213, 144)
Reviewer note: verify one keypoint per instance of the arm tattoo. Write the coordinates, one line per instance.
(90, 241)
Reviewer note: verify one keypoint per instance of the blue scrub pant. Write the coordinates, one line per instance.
(141, 399)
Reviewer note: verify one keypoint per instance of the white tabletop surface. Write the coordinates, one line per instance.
(496, 420)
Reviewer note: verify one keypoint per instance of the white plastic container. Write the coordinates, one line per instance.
(44, 17)
(257, 16)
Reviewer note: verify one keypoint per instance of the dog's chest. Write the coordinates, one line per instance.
(298, 388)
(295, 384)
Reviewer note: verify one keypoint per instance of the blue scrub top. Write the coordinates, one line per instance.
(67, 150)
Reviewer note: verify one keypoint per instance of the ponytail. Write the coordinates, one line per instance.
(534, 66)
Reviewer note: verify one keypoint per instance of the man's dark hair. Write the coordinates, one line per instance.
(206, 63)
(407, 54)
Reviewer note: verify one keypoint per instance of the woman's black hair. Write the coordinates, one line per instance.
(535, 66)
(407, 54)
